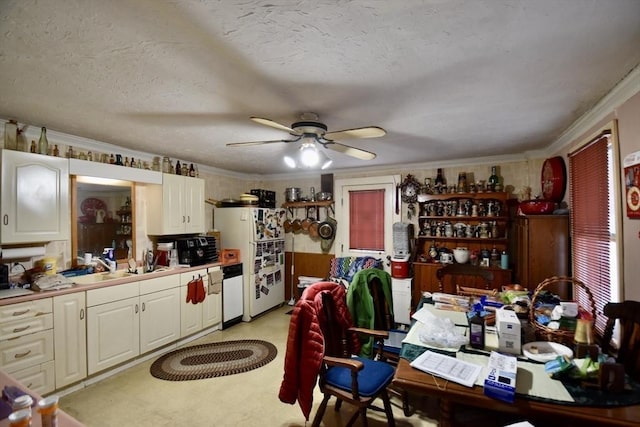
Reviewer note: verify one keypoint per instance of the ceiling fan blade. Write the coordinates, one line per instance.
(365, 132)
(272, 124)
(249, 143)
(350, 151)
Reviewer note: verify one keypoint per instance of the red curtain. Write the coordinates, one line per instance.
(590, 227)
(366, 220)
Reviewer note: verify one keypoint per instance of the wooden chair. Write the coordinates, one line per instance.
(628, 352)
(356, 380)
(470, 276)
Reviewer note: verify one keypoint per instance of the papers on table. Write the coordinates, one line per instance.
(448, 367)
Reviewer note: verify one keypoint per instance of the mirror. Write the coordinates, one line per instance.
(102, 216)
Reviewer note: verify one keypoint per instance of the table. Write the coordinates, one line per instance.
(64, 419)
(450, 394)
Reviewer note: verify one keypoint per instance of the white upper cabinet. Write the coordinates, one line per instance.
(176, 206)
(35, 198)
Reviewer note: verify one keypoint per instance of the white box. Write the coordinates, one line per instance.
(508, 328)
(500, 382)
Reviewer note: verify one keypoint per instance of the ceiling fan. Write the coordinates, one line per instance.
(309, 130)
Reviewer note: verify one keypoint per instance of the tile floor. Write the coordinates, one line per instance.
(135, 398)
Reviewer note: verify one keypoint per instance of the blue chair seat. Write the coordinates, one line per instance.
(374, 376)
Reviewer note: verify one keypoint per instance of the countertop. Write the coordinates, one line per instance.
(112, 282)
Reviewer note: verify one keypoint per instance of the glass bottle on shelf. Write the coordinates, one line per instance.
(440, 182)
(185, 169)
(178, 168)
(43, 143)
(494, 182)
(56, 151)
(192, 171)
(34, 148)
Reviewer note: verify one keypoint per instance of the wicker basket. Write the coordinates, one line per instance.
(557, 335)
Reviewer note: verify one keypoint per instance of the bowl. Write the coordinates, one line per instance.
(461, 255)
(537, 207)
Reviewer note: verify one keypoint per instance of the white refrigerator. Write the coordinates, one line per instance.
(259, 235)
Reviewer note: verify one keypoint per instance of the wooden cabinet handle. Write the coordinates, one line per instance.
(21, 329)
(21, 355)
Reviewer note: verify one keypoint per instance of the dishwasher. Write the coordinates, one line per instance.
(232, 295)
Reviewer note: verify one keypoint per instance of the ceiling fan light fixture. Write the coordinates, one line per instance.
(290, 161)
(309, 155)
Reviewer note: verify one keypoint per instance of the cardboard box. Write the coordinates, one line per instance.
(500, 382)
(508, 329)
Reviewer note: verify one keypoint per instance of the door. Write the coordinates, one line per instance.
(35, 198)
(113, 334)
(70, 338)
(350, 227)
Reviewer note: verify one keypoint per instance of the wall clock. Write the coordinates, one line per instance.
(553, 179)
(410, 188)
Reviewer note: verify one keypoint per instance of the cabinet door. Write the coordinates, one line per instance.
(70, 338)
(194, 203)
(212, 306)
(113, 334)
(190, 315)
(173, 201)
(35, 198)
(159, 319)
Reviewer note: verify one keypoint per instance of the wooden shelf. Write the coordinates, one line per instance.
(462, 218)
(320, 203)
(499, 195)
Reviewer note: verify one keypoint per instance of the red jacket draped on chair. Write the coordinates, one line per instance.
(305, 343)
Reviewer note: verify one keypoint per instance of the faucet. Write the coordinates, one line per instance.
(110, 265)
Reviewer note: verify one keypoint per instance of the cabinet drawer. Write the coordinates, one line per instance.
(17, 328)
(187, 277)
(112, 293)
(26, 351)
(39, 379)
(27, 309)
(159, 284)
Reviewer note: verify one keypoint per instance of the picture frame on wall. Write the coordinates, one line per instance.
(631, 166)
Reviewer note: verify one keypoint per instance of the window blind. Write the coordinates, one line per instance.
(366, 220)
(590, 225)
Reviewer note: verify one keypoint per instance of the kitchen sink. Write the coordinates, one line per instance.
(90, 279)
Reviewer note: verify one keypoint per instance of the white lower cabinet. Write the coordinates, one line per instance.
(39, 378)
(26, 343)
(113, 326)
(196, 317)
(159, 312)
(70, 338)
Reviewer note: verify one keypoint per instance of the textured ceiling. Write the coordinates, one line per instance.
(447, 79)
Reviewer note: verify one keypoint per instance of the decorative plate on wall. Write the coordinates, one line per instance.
(553, 179)
(91, 205)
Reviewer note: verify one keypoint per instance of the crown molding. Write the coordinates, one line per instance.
(621, 93)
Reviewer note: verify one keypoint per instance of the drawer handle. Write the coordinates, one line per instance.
(82, 314)
(20, 313)
(143, 307)
(5, 220)
(21, 355)
(21, 329)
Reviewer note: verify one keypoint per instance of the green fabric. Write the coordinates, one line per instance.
(360, 302)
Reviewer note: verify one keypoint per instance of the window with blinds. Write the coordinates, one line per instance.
(366, 220)
(591, 225)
